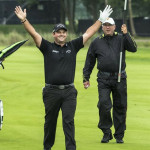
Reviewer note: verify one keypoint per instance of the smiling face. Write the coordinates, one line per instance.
(60, 36)
(108, 29)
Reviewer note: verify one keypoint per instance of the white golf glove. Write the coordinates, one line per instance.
(105, 14)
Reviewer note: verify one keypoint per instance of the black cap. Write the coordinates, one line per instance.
(59, 26)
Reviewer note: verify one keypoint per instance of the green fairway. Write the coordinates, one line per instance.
(21, 84)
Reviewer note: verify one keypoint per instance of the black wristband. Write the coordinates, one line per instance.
(24, 21)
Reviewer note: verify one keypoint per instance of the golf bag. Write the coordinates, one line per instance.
(1, 114)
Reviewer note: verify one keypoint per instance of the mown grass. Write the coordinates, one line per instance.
(21, 86)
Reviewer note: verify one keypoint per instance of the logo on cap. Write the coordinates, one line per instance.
(59, 26)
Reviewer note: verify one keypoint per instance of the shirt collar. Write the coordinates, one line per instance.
(103, 35)
(65, 45)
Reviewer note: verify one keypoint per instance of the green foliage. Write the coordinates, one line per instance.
(93, 7)
(6, 29)
(12, 33)
(117, 8)
(12, 37)
(30, 2)
(140, 7)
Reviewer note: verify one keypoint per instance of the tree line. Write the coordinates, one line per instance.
(135, 8)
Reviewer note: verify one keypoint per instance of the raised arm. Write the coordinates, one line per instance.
(22, 16)
(94, 28)
(129, 43)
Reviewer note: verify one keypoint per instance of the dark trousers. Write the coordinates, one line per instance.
(54, 100)
(119, 96)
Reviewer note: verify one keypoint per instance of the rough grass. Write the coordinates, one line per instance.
(12, 33)
(21, 91)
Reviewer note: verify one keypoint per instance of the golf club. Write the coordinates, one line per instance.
(120, 62)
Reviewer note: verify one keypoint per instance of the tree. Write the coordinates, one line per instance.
(93, 6)
(29, 2)
(106, 2)
(141, 8)
(23, 4)
(62, 11)
(68, 12)
(131, 18)
(118, 12)
(138, 8)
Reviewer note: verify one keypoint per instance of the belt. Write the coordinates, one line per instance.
(61, 87)
(112, 73)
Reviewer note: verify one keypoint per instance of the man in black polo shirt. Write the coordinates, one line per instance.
(59, 62)
(106, 49)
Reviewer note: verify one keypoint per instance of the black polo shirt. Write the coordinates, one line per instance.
(106, 50)
(60, 62)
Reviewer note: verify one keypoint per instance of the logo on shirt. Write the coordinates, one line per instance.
(68, 51)
(55, 51)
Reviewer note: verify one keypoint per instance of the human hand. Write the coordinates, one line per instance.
(124, 29)
(86, 84)
(105, 14)
(20, 13)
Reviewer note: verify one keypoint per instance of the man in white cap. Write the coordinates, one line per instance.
(106, 50)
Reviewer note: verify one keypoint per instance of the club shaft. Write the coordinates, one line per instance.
(125, 5)
(120, 63)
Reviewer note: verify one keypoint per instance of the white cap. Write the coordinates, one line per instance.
(109, 20)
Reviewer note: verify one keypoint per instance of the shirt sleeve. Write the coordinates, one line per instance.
(129, 43)
(78, 43)
(44, 46)
(89, 63)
